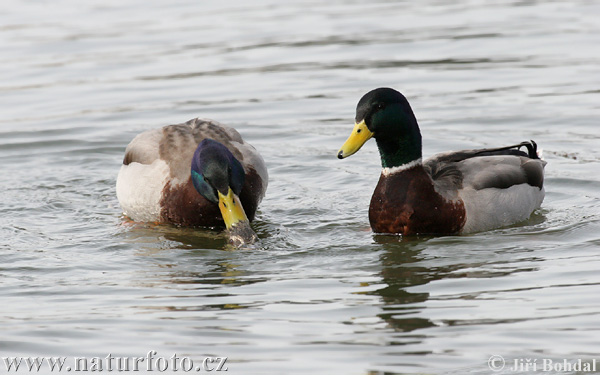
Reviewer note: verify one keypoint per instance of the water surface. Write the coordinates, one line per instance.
(322, 294)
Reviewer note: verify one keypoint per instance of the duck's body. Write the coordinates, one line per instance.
(451, 193)
(156, 181)
(459, 192)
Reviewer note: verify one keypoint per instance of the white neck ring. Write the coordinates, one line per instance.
(403, 167)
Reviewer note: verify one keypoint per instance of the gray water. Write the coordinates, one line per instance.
(322, 294)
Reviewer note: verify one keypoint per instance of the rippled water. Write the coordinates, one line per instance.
(323, 294)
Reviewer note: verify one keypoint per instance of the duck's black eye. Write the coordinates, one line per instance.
(380, 105)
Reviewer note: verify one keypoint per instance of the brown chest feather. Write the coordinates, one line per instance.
(407, 203)
(183, 205)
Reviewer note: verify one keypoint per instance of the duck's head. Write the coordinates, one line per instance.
(384, 114)
(219, 177)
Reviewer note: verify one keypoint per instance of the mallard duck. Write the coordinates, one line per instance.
(199, 173)
(450, 193)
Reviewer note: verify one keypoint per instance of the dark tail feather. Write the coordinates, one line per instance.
(512, 150)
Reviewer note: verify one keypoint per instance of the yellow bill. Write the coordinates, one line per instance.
(231, 209)
(359, 136)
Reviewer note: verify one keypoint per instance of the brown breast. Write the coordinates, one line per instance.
(407, 203)
(183, 205)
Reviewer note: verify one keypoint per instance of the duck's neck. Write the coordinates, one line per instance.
(400, 152)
